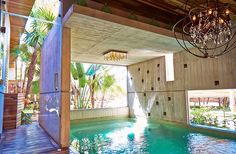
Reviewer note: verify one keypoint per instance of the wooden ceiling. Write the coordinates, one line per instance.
(20, 7)
(148, 8)
(166, 11)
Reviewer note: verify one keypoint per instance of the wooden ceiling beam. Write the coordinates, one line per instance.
(139, 8)
(161, 7)
(164, 6)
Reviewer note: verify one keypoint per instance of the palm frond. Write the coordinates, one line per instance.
(39, 29)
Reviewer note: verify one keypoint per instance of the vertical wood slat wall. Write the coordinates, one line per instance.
(159, 99)
(13, 105)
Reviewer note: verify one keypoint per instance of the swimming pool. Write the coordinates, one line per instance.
(139, 136)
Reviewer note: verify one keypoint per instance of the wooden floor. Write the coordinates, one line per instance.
(28, 139)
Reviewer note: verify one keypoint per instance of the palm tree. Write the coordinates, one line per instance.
(35, 38)
(93, 81)
(107, 83)
(83, 84)
(22, 52)
(78, 84)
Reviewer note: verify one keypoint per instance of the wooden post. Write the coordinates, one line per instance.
(5, 22)
(65, 88)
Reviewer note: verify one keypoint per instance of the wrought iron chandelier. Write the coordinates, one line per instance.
(115, 55)
(207, 30)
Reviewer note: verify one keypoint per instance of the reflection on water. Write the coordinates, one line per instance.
(128, 136)
(199, 143)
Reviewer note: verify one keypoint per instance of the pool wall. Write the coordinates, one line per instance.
(150, 95)
(99, 113)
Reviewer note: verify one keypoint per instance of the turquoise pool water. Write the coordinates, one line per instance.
(138, 136)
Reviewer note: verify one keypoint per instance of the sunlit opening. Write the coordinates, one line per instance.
(169, 61)
(214, 108)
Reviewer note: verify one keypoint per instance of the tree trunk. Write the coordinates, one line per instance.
(208, 100)
(219, 102)
(31, 72)
(21, 71)
(24, 80)
(103, 96)
(92, 91)
(16, 88)
(199, 101)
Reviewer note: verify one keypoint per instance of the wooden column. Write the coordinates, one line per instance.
(65, 88)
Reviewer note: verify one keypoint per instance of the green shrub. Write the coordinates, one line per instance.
(154, 22)
(26, 118)
(133, 16)
(199, 116)
(82, 2)
(106, 9)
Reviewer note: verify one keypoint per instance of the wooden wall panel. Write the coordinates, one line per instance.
(191, 73)
(54, 85)
(13, 105)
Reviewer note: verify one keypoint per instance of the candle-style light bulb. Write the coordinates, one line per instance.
(194, 18)
(227, 11)
(210, 11)
(221, 21)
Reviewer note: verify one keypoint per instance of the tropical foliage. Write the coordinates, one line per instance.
(35, 37)
(82, 2)
(28, 53)
(199, 116)
(26, 118)
(90, 85)
(222, 116)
